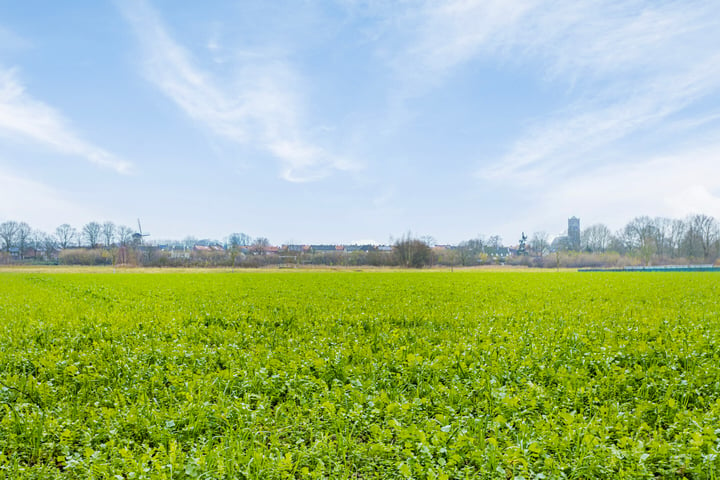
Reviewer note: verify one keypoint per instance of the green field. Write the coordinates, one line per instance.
(359, 375)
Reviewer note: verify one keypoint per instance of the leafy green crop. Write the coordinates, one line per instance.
(359, 375)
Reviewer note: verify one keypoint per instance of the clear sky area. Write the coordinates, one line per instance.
(352, 121)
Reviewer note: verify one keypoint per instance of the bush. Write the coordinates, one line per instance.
(84, 256)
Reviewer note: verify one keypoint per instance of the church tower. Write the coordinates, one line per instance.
(574, 233)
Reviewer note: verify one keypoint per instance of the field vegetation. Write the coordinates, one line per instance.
(431, 375)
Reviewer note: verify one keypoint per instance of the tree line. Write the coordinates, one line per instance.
(19, 240)
(642, 241)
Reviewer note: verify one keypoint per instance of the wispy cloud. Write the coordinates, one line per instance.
(625, 67)
(259, 107)
(23, 116)
(565, 40)
(574, 139)
(443, 35)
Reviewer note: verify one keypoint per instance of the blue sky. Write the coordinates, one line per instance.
(345, 121)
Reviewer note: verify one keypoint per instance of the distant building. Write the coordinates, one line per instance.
(571, 241)
(323, 248)
(574, 233)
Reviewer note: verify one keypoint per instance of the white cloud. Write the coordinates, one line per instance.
(260, 107)
(673, 185)
(22, 115)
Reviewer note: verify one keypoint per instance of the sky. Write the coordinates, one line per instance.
(351, 121)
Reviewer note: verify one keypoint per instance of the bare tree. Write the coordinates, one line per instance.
(678, 228)
(662, 229)
(23, 238)
(235, 241)
(494, 244)
(239, 240)
(703, 233)
(468, 251)
(49, 244)
(91, 232)
(65, 235)
(411, 252)
(465, 253)
(108, 233)
(539, 244)
(640, 236)
(259, 245)
(124, 235)
(8, 231)
(596, 238)
(429, 240)
(37, 241)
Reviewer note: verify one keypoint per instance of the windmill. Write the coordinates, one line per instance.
(138, 236)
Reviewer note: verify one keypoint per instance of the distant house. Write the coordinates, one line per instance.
(296, 248)
(360, 248)
(323, 248)
(177, 251)
(208, 248)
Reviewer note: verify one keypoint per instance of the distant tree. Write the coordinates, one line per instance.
(619, 243)
(65, 235)
(239, 239)
(124, 235)
(23, 238)
(235, 241)
(108, 233)
(469, 250)
(429, 240)
(493, 245)
(640, 236)
(412, 252)
(596, 238)
(539, 244)
(678, 228)
(36, 242)
(450, 257)
(48, 244)
(260, 245)
(702, 235)
(662, 229)
(8, 232)
(91, 232)
(476, 244)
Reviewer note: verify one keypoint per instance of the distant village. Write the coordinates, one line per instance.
(643, 241)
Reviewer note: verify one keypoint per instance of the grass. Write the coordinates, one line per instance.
(390, 374)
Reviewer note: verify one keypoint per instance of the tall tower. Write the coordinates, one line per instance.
(574, 233)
